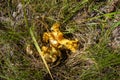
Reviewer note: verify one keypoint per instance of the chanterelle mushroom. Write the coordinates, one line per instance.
(56, 41)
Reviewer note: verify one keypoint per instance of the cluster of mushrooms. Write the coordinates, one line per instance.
(56, 41)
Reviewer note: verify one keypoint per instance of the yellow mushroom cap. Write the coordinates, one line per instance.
(55, 26)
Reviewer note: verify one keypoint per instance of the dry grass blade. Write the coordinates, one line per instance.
(39, 51)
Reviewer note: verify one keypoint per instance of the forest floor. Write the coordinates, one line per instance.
(94, 23)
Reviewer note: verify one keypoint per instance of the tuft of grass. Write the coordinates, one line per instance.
(105, 59)
(87, 20)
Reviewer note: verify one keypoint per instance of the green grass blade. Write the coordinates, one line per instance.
(74, 10)
(39, 51)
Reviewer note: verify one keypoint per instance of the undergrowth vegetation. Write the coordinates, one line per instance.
(95, 23)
